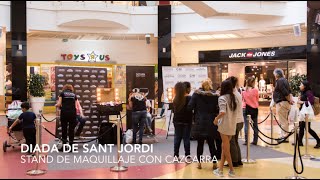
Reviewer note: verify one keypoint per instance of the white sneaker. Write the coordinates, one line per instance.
(188, 160)
(232, 174)
(218, 173)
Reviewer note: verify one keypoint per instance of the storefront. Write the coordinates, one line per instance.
(258, 62)
(114, 78)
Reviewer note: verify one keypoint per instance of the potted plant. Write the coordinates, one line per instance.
(36, 91)
(295, 82)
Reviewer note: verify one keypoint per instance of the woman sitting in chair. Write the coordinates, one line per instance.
(80, 119)
(149, 117)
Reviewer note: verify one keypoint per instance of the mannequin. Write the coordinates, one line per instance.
(262, 84)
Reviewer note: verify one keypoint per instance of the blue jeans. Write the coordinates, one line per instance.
(149, 120)
(245, 124)
(82, 122)
(162, 109)
(138, 118)
(182, 132)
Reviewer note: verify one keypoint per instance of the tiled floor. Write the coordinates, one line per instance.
(11, 167)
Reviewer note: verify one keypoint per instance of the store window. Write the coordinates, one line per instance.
(48, 71)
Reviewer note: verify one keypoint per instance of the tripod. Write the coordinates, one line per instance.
(171, 118)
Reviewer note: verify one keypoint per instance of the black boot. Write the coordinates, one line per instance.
(317, 146)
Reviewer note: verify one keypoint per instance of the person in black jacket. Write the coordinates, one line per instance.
(68, 116)
(182, 119)
(205, 104)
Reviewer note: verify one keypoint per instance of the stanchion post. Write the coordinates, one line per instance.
(37, 171)
(248, 160)
(40, 120)
(118, 168)
(271, 127)
(295, 175)
(307, 155)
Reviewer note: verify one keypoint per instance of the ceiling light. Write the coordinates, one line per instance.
(193, 37)
(232, 35)
(219, 36)
(203, 37)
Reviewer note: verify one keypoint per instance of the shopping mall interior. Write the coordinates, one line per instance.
(109, 49)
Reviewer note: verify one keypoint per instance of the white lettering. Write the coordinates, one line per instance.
(60, 159)
(24, 148)
(85, 148)
(23, 160)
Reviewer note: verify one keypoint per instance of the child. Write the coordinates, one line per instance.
(27, 118)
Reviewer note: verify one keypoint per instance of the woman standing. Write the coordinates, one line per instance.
(137, 101)
(67, 103)
(234, 144)
(227, 122)
(205, 104)
(251, 99)
(182, 119)
(306, 97)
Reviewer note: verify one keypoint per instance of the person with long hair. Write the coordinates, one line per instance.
(137, 102)
(306, 97)
(227, 123)
(68, 115)
(188, 86)
(204, 102)
(234, 144)
(251, 99)
(182, 119)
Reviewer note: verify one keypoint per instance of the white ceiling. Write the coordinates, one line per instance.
(272, 31)
(95, 23)
(266, 32)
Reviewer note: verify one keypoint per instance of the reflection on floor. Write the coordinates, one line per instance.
(280, 167)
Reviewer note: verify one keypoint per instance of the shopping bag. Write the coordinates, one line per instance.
(129, 136)
(316, 106)
(306, 111)
(293, 114)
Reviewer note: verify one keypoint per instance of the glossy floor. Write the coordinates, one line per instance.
(11, 167)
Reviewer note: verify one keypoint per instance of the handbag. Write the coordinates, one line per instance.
(316, 106)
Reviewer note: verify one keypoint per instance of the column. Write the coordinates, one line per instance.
(313, 47)
(19, 49)
(164, 41)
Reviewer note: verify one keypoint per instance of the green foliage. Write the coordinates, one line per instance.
(295, 82)
(36, 84)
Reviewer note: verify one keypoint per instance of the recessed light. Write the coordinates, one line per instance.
(203, 37)
(219, 36)
(193, 37)
(232, 35)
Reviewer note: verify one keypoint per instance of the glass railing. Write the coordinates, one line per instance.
(125, 3)
(132, 3)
